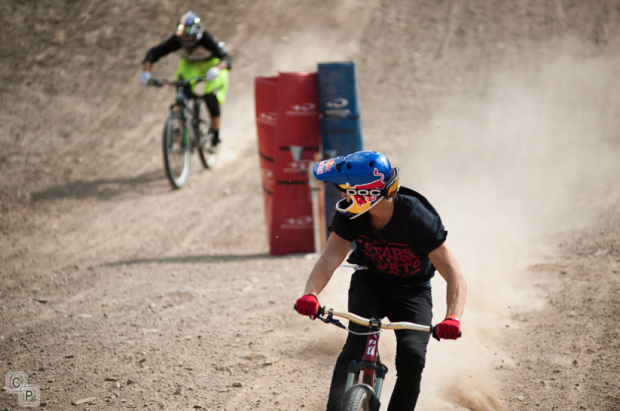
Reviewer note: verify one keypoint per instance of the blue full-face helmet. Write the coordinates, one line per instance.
(366, 177)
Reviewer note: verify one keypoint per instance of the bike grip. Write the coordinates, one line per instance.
(435, 336)
(434, 332)
(318, 314)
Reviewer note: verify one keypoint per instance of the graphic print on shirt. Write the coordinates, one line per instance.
(391, 258)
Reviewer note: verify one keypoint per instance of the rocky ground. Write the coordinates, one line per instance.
(121, 292)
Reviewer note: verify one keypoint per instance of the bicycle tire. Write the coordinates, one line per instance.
(176, 150)
(204, 134)
(358, 400)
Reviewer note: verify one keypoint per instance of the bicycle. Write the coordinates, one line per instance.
(187, 127)
(364, 396)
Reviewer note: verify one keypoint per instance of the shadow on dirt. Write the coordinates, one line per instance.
(103, 189)
(193, 259)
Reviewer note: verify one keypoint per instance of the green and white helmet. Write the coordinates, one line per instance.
(189, 29)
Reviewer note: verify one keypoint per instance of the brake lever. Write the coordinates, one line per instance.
(330, 318)
(156, 83)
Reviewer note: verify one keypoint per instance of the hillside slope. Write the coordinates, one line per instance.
(502, 113)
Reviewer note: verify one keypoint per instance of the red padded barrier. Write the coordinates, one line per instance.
(298, 125)
(292, 230)
(266, 168)
(265, 100)
(288, 127)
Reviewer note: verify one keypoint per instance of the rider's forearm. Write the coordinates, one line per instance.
(445, 262)
(222, 65)
(147, 65)
(455, 296)
(318, 279)
(335, 252)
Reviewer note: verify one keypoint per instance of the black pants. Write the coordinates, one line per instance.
(369, 298)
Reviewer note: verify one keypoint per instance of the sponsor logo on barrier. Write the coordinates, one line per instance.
(267, 174)
(305, 109)
(337, 103)
(270, 119)
(303, 222)
(336, 107)
(297, 166)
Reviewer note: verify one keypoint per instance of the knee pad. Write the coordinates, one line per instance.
(212, 104)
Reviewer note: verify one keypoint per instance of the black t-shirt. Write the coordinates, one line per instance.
(398, 253)
(207, 42)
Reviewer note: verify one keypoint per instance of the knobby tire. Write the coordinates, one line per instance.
(176, 150)
(205, 134)
(358, 400)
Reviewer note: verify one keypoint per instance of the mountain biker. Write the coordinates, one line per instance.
(400, 241)
(201, 55)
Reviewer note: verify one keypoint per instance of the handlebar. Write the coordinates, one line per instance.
(160, 82)
(402, 325)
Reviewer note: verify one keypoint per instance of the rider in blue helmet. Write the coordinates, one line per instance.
(399, 242)
(366, 177)
(202, 54)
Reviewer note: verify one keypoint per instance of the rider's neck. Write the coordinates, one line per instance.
(381, 214)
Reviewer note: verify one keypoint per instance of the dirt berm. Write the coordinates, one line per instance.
(115, 287)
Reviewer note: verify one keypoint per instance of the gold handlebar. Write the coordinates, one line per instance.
(403, 325)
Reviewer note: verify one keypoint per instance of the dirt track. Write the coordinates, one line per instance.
(504, 114)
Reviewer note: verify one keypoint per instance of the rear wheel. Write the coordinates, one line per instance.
(358, 400)
(176, 150)
(208, 156)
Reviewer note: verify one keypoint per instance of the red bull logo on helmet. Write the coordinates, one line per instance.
(325, 166)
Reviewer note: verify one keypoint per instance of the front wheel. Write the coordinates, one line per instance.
(206, 151)
(176, 148)
(358, 400)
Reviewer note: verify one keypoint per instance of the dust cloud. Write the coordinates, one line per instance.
(505, 171)
(318, 45)
(238, 120)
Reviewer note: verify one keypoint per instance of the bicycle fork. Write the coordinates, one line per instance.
(373, 370)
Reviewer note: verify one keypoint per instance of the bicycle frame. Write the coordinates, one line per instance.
(183, 102)
(192, 130)
(373, 370)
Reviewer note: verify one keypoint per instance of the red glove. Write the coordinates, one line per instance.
(448, 329)
(308, 305)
